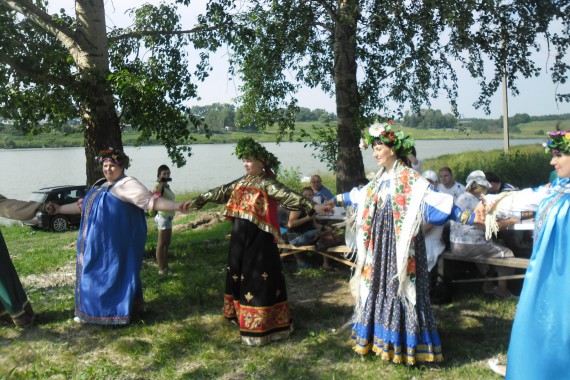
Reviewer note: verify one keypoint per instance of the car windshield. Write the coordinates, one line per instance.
(38, 197)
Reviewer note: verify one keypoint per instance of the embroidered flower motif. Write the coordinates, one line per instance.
(400, 200)
(367, 272)
(249, 296)
(265, 275)
(411, 269)
(397, 215)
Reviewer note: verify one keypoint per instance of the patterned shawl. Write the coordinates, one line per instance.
(19, 210)
(406, 189)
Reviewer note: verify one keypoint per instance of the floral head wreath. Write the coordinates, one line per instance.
(117, 157)
(248, 148)
(398, 140)
(558, 142)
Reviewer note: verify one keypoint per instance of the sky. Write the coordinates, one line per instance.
(537, 95)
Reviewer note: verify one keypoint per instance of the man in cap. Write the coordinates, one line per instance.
(470, 242)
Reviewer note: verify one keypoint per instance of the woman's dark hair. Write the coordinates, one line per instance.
(414, 151)
(161, 168)
(492, 177)
(403, 157)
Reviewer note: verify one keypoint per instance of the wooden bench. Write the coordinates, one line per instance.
(288, 249)
(511, 262)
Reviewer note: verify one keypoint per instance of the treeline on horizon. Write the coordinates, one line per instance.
(224, 117)
(435, 119)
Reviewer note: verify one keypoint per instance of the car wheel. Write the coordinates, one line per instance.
(59, 223)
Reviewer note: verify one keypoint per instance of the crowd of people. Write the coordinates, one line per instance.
(399, 223)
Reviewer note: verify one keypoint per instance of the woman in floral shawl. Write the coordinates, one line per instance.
(393, 315)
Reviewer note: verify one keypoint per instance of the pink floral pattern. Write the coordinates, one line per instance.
(401, 194)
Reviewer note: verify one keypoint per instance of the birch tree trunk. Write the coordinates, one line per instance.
(102, 129)
(349, 159)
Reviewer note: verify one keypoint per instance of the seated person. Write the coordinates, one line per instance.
(448, 185)
(518, 241)
(497, 185)
(321, 192)
(303, 230)
(469, 241)
(283, 215)
(432, 233)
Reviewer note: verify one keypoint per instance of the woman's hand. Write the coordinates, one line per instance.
(52, 208)
(184, 206)
(480, 212)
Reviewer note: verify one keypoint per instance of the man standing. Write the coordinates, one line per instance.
(321, 192)
(448, 185)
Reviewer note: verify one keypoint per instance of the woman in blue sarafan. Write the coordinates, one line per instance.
(393, 316)
(110, 245)
(540, 338)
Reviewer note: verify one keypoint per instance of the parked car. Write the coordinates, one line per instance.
(61, 195)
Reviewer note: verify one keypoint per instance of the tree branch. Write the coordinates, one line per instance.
(36, 75)
(327, 6)
(41, 18)
(323, 25)
(143, 33)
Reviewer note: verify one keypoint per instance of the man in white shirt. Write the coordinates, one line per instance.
(448, 185)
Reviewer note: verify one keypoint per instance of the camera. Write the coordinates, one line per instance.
(165, 179)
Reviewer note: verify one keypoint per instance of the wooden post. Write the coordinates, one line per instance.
(505, 112)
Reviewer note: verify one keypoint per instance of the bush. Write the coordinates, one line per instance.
(9, 143)
(291, 178)
(524, 166)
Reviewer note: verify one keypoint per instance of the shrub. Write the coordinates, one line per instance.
(524, 166)
(9, 143)
(291, 178)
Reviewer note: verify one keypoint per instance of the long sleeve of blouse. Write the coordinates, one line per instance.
(352, 198)
(131, 190)
(522, 200)
(286, 197)
(438, 207)
(220, 194)
(19, 210)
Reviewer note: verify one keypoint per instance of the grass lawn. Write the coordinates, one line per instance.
(183, 334)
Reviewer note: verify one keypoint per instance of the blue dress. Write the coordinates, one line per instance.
(540, 338)
(110, 250)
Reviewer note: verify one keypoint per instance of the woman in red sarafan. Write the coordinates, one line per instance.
(255, 292)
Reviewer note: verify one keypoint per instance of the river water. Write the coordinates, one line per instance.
(25, 170)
